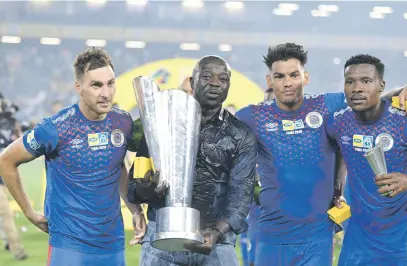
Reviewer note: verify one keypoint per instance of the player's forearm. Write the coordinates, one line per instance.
(124, 191)
(393, 92)
(12, 180)
(133, 208)
(340, 175)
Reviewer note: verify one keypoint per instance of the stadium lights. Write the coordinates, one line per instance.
(405, 53)
(329, 8)
(288, 6)
(285, 9)
(137, 2)
(96, 1)
(193, 3)
(50, 41)
(225, 47)
(135, 44)
(337, 60)
(96, 43)
(375, 15)
(282, 12)
(405, 15)
(10, 39)
(324, 10)
(382, 9)
(320, 13)
(234, 5)
(190, 46)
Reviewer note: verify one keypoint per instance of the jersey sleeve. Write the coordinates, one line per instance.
(42, 139)
(335, 102)
(245, 115)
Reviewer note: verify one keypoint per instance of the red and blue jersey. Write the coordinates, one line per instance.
(83, 163)
(296, 167)
(378, 224)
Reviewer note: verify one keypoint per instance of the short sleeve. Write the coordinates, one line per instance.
(335, 102)
(42, 139)
(245, 115)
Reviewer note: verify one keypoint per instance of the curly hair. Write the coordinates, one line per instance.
(284, 52)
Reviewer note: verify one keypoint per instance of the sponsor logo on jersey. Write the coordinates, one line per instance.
(98, 139)
(289, 125)
(362, 141)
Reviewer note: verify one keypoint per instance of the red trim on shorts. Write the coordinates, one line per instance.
(49, 255)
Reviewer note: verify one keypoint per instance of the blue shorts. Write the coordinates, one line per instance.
(1, 181)
(351, 256)
(305, 254)
(65, 257)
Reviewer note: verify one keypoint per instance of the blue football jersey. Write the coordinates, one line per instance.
(296, 167)
(378, 224)
(83, 162)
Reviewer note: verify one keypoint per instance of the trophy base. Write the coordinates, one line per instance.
(176, 226)
(174, 241)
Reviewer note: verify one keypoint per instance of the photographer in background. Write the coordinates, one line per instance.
(10, 129)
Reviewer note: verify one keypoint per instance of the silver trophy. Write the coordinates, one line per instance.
(171, 121)
(377, 161)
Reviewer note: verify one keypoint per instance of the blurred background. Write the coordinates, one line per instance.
(40, 39)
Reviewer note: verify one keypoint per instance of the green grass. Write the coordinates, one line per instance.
(36, 242)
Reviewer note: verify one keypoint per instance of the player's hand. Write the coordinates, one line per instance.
(211, 237)
(403, 98)
(337, 202)
(395, 182)
(38, 220)
(140, 227)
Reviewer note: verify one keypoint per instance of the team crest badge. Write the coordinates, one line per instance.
(117, 138)
(314, 120)
(386, 140)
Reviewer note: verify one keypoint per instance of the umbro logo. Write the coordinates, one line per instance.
(271, 127)
(76, 143)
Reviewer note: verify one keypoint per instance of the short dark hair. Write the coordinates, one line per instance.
(367, 59)
(90, 59)
(284, 52)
